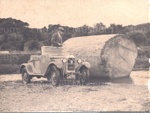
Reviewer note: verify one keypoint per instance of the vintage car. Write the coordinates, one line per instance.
(55, 65)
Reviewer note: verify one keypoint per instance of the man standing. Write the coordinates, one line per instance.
(56, 39)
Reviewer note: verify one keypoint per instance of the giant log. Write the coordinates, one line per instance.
(109, 55)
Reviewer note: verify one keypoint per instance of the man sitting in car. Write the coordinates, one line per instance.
(56, 39)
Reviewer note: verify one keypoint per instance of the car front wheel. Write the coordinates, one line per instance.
(55, 76)
(25, 77)
(84, 78)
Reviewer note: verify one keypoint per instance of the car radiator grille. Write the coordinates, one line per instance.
(71, 64)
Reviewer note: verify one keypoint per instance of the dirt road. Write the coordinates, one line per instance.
(39, 95)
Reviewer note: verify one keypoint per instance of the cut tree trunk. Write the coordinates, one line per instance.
(109, 55)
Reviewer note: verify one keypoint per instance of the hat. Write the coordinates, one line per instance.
(61, 29)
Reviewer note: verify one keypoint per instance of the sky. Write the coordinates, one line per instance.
(75, 13)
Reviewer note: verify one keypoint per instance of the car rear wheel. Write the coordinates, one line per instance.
(55, 76)
(25, 76)
(84, 78)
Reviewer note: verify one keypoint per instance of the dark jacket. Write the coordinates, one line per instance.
(56, 39)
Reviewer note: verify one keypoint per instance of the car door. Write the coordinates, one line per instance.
(44, 62)
(35, 59)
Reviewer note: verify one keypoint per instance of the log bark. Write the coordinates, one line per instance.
(109, 55)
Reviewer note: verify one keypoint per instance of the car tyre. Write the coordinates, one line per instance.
(55, 76)
(84, 78)
(25, 77)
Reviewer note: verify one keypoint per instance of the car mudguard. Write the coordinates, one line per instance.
(58, 65)
(85, 64)
(28, 68)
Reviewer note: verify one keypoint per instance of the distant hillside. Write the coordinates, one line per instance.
(16, 34)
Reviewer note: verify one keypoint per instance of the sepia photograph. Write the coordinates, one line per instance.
(74, 55)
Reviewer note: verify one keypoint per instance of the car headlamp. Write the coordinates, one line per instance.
(79, 61)
(64, 60)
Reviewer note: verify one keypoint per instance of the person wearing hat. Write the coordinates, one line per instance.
(56, 39)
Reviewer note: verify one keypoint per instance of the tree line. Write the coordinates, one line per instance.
(16, 34)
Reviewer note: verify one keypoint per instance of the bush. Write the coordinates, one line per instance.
(14, 58)
(9, 69)
(32, 45)
(23, 58)
(138, 37)
(141, 65)
(142, 59)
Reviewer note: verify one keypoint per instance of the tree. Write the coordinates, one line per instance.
(148, 38)
(138, 37)
(9, 22)
(116, 29)
(99, 28)
(82, 31)
(31, 45)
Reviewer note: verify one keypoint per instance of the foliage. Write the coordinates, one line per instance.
(138, 37)
(31, 45)
(9, 69)
(16, 35)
